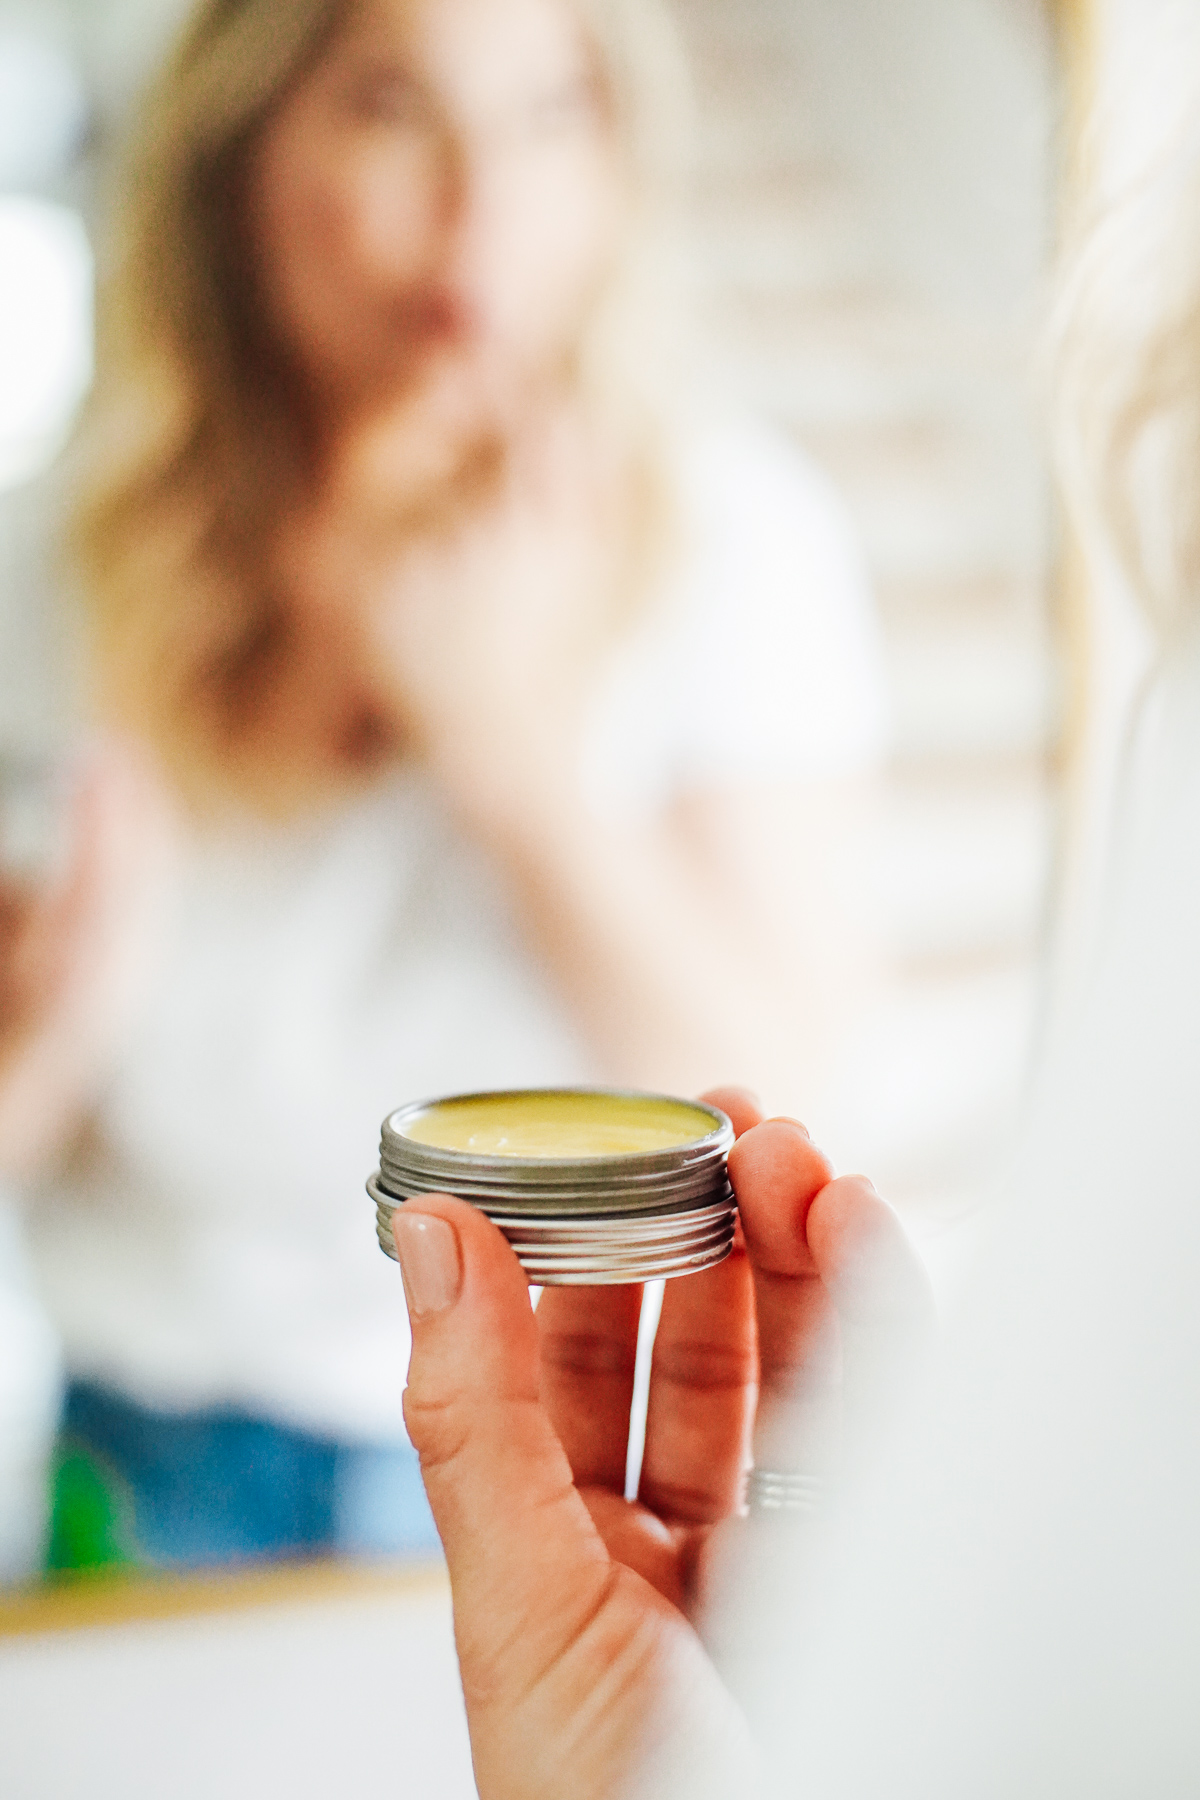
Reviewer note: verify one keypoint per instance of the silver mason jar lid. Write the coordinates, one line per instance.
(585, 1219)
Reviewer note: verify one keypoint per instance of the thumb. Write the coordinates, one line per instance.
(578, 1677)
(526, 1563)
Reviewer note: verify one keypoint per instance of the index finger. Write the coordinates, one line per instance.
(703, 1381)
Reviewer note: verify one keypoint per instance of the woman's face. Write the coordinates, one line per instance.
(442, 189)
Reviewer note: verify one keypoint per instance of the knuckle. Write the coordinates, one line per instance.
(437, 1429)
(705, 1367)
(586, 1353)
(680, 1504)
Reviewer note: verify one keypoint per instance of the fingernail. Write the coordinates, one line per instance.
(786, 1119)
(429, 1261)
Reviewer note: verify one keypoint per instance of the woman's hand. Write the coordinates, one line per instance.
(72, 947)
(492, 626)
(582, 1670)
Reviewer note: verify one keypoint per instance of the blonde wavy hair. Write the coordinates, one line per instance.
(1128, 327)
(190, 439)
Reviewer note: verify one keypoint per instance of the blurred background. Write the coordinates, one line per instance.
(873, 214)
(875, 221)
(868, 255)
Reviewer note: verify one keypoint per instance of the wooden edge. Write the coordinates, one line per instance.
(91, 1602)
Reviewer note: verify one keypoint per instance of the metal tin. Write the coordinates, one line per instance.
(586, 1220)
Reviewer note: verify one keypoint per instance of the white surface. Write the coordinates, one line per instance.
(1020, 1612)
(352, 1698)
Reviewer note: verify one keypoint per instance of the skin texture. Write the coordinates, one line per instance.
(574, 1609)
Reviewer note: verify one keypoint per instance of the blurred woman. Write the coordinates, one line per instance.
(512, 729)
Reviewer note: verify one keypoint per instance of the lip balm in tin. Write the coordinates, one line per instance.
(590, 1186)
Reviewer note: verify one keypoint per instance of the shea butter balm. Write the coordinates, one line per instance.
(589, 1185)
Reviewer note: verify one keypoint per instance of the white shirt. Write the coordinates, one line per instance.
(219, 1247)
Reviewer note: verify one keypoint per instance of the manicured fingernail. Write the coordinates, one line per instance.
(429, 1261)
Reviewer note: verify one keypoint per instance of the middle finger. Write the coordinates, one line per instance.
(703, 1380)
(703, 1384)
(589, 1351)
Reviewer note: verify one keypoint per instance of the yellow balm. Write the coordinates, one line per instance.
(589, 1185)
(559, 1124)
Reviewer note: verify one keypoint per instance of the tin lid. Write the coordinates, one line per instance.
(559, 1152)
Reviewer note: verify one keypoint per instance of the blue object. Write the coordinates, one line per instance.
(223, 1486)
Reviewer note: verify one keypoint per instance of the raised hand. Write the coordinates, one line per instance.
(491, 628)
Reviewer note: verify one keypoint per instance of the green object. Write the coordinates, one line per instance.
(91, 1520)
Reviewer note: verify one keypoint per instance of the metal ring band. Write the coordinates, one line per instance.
(781, 1490)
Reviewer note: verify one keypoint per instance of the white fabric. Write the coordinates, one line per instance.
(220, 1245)
(1021, 1618)
(765, 660)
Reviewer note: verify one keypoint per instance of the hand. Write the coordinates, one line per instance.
(574, 1610)
(491, 627)
(71, 952)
